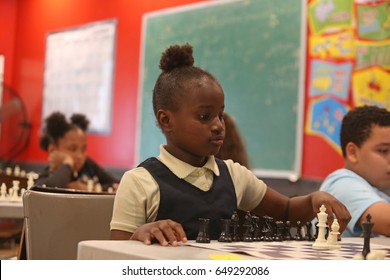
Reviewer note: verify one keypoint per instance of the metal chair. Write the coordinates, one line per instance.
(56, 220)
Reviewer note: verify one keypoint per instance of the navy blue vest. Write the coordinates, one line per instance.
(184, 203)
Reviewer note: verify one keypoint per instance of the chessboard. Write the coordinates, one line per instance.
(299, 250)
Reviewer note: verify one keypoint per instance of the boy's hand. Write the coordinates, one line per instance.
(333, 208)
(165, 232)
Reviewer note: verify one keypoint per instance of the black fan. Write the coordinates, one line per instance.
(14, 126)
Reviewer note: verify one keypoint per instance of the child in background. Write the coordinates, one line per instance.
(69, 166)
(163, 198)
(233, 146)
(365, 144)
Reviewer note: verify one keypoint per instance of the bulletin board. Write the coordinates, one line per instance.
(78, 76)
(256, 50)
(349, 65)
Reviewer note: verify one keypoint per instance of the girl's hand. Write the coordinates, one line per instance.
(57, 158)
(165, 232)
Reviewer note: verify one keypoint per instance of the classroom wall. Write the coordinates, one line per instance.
(24, 25)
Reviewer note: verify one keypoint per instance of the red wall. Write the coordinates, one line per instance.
(24, 25)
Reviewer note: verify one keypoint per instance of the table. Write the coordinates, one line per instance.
(135, 250)
(13, 210)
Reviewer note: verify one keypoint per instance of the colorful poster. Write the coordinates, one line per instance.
(371, 86)
(330, 15)
(372, 54)
(373, 21)
(325, 116)
(339, 45)
(330, 78)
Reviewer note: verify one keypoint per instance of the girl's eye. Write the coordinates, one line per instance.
(204, 117)
(383, 151)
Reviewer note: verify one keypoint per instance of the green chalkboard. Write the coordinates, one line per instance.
(254, 48)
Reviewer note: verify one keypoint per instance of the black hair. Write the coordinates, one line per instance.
(178, 75)
(56, 126)
(357, 124)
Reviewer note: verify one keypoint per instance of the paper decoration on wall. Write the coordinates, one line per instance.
(330, 78)
(373, 21)
(372, 54)
(330, 15)
(79, 73)
(324, 120)
(339, 45)
(371, 86)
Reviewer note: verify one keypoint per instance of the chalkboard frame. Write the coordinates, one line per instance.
(294, 171)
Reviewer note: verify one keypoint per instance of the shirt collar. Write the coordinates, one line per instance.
(182, 169)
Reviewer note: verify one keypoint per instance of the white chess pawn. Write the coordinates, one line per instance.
(22, 191)
(98, 188)
(90, 185)
(17, 171)
(8, 171)
(320, 242)
(3, 192)
(15, 188)
(30, 181)
(333, 235)
(110, 190)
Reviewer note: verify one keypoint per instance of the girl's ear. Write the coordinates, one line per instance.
(352, 152)
(164, 119)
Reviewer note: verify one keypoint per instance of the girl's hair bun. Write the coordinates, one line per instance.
(176, 56)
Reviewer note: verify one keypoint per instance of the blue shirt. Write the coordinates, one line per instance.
(355, 193)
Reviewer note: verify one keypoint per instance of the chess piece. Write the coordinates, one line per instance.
(309, 235)
(267, 229)
(279, 231)
(15, 189)
(30, 180)
(255, 228)
(287, 231)
(225, 231)
(3, 192)
(99, 188)
(235, 224)
(333, 236)
(203, 234)
(320, 242)
(247, 236)
(367, 228)
(90, 185)
(298, 236)
(16, 171)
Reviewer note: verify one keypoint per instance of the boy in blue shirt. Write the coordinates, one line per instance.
(365, 144)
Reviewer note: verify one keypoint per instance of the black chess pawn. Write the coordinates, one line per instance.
(255, 228)
(367, 229)
(287, 231)
(247, 236)
(279, 231)
(235, 223)
(203, 234)
(225, 231)
(298, 235)
(309, 234)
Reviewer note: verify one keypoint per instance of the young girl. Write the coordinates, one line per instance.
(163, 198)
(69, 166)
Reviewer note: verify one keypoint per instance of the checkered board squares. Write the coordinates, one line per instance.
(300, 250)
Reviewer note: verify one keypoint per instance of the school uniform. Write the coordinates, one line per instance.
(166, 187)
